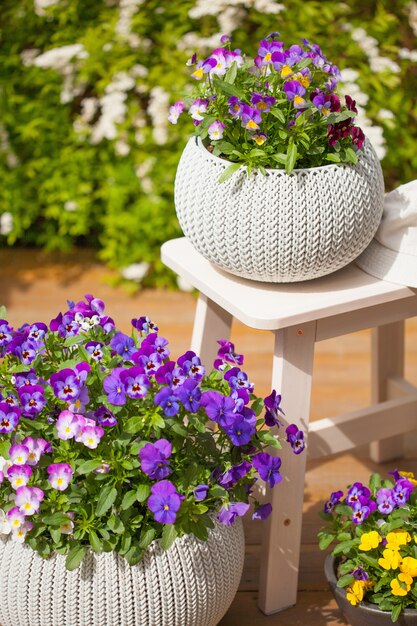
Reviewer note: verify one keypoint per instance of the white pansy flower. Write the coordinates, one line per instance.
(5, 526)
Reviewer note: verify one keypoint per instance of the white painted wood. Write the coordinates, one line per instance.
(398, 387)
(291, 376)
(332, 435)
(270, 306)
(211, 323)
(387, 350)
(369, 317)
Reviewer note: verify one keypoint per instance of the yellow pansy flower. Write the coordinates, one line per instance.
(409, 476)
(401, 585)
(397, 538)
(390, 559)
(370, 540)
(355, 592)
(409, 566)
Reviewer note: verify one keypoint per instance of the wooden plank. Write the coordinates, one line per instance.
(343, 432)
(211, 323)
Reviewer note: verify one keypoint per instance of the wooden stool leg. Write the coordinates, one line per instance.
(211, 323)
(387, 362)
(292, 377)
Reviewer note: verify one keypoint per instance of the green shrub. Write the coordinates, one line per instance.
(87, 155)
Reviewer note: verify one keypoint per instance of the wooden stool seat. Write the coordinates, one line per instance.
(300, 314)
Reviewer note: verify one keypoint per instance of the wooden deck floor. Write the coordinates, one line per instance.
(35, 287)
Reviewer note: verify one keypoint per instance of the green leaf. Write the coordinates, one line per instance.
(3, 312)
(72, 341)
(351, 156)
(228, 89)
(291, 157)
(133, 555)
(106, 499)
(128, 499)
(88, 466)
(334, 118)
(395, 613)
(179, 429)
(304, 63)
(115, 524)
(55, 534)
(169, 534)
(346, 580)
(258, 406)
(157, 420)
(334, 157)
(142, 492)
(225, 147)
(55, 519)
(229, 171)
(279, 158)
(95, 542)
(231, 74)
(133, 425)
(146, 538)
(4, 448)
(325, 540)
(74, 557)
(278, 114)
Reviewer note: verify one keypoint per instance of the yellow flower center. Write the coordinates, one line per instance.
(252, 125)
(285, 71)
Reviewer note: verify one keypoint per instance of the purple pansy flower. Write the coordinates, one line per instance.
(360, 574)
(200, 492)
(59, 475)
(219, 408)
(90, 436)
(385, 500)
(159, 345)
(263, 511)
(362, 509)
(95, 349)
(266, 50)
(28, 499)
(239, 431)
(238, 379)
(36, 447)
(197, 109)
(105, 417)
(170, 374)
(148, 359)
(251, 118)
(154, 459)
(114, 387)
(262, 102)
(273, 409)
(9, 416)
(189, 394)
(355, 492)
(334, 499)
(166, 399)
(164, 502)
(68, 425)
(295, 92)
(65, 384)
(267, 467)
(5, 333)
(37, 331)
(19, 475)
(235, 106)
(190, 364)
(234, 474)
(295, 438)
(32, 399)
(229, 512)
(136, 383)
(123, 345)
(15, 518)
(175, 111)
(402, 491)
(144, 325)
(216, 130)
(226, 352)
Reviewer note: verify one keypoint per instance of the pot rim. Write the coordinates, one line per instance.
(295, 171)
(329, 571)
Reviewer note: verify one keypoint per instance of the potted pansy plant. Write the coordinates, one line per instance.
(372, 569)
(276, 147)
(124, 473)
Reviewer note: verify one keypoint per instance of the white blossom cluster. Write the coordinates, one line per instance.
(64, 60)
(123, 29)
(369, 45)
(374, 133)
(412, 16)
(40, 6)
(229, 15)
(11, 158)
(158, 111)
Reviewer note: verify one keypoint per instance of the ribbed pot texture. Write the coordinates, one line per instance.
(278, 227)
(191, 584)
(363, 614)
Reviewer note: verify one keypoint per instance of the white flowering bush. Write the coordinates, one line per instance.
(87, 154)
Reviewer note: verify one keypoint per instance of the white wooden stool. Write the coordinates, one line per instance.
(300, 314)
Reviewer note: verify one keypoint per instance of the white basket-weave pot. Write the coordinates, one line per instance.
(278, 227)
(191, 584)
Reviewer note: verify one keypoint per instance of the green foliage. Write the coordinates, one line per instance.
(71, 177)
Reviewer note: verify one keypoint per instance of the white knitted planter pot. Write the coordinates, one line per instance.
(191, 584)
(278, 227)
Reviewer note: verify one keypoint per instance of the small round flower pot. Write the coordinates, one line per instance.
(191, 584)
(363, 614)
(278, 227)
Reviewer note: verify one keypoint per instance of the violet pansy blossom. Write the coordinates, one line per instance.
(59, 475)
(135, 382)
(251, 118)
(189, 395)
(28, 499)
(154, 459)
(9, 417)
(235, 106)
(334, 499)
(385, 500)
(166, 399)
(175, 111)
(18, 454)
(198, 107)
(295, 437)
(216, 130)
(263, 511)
(226, 352)
(295, 92)
(90, 436)
(114, 387)
(15, 518)
(229, 512)
(32, 399)
(95, 349)
(19, 475)
(164, 502)
(219, 408)
(144, 325)
(267, 467)
(123, 345)
(273, 409)
(68, 425)
(105, 417)
(191, 365)
(66, 384)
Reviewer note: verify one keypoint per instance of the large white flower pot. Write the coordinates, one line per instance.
(278, 227)
(191, 584)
